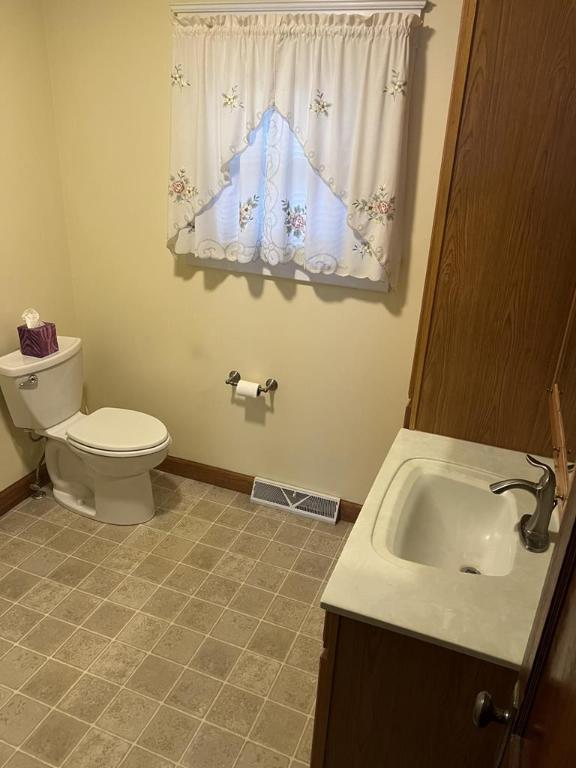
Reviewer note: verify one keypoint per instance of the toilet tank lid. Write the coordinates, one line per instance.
(16, 364)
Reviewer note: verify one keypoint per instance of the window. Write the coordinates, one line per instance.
(288, 144)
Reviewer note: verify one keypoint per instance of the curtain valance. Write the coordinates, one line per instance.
(331, 89)
(301, 24)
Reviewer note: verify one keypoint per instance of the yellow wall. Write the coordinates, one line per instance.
(34, 267)
(161, 338)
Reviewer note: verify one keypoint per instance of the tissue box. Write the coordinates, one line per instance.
(38, 342)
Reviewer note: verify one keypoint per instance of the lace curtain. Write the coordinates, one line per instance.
(289, 141)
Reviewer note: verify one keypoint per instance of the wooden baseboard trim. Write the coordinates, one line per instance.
(206, 473)
(349, 510)
(18, 491)
(236, 481)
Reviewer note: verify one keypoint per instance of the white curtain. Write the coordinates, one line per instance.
(289, 140)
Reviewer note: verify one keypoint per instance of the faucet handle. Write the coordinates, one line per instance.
(548, 478)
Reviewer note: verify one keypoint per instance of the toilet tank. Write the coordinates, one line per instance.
(43, 391)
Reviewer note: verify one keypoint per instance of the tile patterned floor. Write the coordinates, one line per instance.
(191, 641)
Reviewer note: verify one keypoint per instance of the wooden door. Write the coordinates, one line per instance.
(549, 738)
(544, 735)
(502, 267)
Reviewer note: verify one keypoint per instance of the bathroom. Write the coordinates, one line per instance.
(141, 657)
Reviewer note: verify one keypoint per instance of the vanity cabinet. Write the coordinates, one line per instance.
(387, 700)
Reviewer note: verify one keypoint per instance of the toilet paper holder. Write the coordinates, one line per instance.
(270, 386)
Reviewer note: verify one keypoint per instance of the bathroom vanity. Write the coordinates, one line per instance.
(431, 602)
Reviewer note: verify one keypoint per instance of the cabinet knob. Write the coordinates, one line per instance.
(485, 712)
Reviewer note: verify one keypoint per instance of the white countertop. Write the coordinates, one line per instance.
(484, 616)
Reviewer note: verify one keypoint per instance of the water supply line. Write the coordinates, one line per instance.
(37, 492)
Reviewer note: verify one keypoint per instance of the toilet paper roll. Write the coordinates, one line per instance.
(247, 388)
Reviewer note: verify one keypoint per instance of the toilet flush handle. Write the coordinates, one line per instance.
(29, 382)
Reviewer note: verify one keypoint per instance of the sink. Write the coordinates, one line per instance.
(445, 516)
(435, 555)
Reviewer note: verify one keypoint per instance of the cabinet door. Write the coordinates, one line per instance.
(397, 702)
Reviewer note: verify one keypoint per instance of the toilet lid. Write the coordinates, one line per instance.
(115, 429)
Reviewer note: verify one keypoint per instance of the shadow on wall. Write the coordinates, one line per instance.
(393, 301)
(255, 409)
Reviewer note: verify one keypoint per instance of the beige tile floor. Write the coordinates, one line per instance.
(191, 641)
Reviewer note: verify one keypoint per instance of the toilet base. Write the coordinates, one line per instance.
(69, 501)
(99, 488)
(123, 500)
(113, 511)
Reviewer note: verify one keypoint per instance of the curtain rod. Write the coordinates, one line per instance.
(321, 6)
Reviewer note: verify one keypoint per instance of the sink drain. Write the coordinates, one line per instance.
(470, 569)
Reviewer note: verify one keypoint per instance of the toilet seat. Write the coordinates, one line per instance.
(118, 454)
(117, 432)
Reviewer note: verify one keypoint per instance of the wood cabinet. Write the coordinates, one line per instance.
(386, 700)
(502, 267)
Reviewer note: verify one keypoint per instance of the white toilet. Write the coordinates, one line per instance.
(99, 463)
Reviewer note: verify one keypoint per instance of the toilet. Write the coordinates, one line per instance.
(99, 463)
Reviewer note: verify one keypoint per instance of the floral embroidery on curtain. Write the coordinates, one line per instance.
(396, 86)
(180, 188)
(289, 141)
(247, 210)
(378, 207)
(294, 220)
(178, 78)
(232, 99)
(319, 105)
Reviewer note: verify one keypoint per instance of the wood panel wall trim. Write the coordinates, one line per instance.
(559, 448)
(15, 493)
(461, 69)
(235, 481)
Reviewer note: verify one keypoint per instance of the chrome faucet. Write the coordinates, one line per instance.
(534, 528)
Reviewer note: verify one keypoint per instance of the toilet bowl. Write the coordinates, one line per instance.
(99, 463)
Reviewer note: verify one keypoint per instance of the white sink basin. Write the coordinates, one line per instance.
(445, 516)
